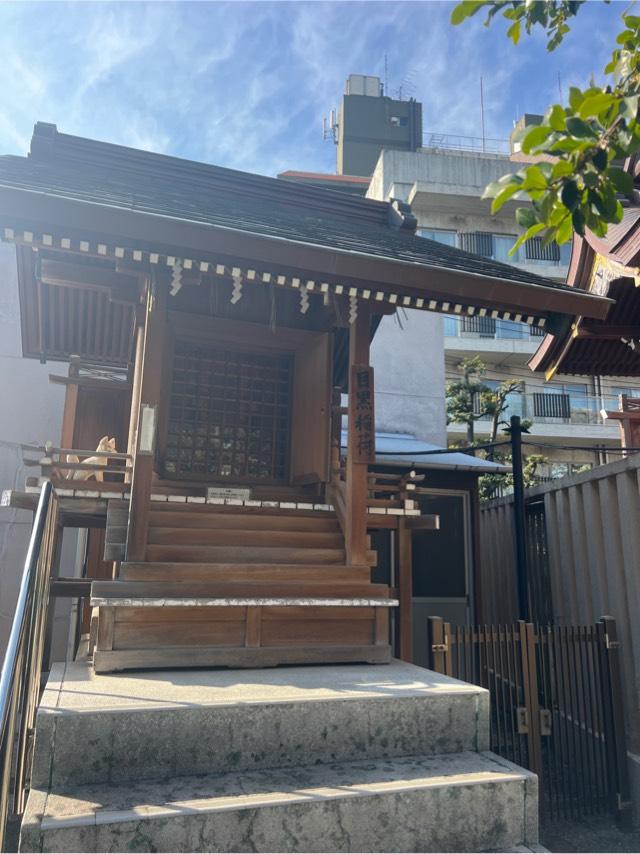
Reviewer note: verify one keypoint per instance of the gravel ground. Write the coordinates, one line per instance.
(589, 834)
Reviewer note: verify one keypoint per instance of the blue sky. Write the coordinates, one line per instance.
(245, 84)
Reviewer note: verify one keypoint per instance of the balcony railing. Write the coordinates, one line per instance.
(456, 142)
(542, 407)
(488, 327)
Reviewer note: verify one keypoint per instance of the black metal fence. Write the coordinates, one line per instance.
(556, 705)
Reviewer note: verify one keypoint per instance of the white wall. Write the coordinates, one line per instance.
(407, 355)
(30, 412)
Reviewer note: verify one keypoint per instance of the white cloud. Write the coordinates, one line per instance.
(245, 84)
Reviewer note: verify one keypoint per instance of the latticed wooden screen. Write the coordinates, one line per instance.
(229, 415)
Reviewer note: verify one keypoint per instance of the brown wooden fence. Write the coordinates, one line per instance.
(583, 552)
(555, 705)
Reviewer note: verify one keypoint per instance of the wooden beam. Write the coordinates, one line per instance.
(117, 286)
(91, 383)
(150, 391)
(606, 331)
(70, 407)
(357, 469)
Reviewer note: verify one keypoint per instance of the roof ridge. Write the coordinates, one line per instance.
(48, 145)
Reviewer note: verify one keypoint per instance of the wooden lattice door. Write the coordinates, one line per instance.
(229, 415)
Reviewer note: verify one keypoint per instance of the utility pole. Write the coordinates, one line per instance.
(522, 573)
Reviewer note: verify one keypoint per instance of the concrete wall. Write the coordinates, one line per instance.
(31, 412)
(461, 172)
(408, 359)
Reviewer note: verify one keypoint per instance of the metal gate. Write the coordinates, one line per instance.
(556, 705)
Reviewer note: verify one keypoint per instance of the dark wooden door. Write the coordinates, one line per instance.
(229, 415)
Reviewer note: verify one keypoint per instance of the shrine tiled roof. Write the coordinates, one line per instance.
(147, 184)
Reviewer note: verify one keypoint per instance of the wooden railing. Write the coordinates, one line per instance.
(55, 464)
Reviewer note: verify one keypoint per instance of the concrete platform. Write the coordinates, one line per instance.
(461, 802)
(118, 727)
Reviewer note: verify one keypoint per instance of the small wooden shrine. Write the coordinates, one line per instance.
(218, 325)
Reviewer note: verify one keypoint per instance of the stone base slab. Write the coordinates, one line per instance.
(461, 802)
(125, 727)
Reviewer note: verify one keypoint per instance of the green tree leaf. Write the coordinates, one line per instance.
(621, 180)
(575, 98)
(577, 127)
(534, 179)
(557, 118)
(570, 195)
(465, 10)
(535, 137)
(596, 104)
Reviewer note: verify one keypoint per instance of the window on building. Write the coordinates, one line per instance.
(440, 235)
(621, 389)
(502, 244)
(578, 392)
(494, 246)
(572, 401)
(535, 250)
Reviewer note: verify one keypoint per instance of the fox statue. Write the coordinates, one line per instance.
(105, 444)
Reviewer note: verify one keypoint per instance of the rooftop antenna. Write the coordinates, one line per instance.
(330, 127)
(385, 75)
(482, 114)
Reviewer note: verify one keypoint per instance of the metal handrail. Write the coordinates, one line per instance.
(22, 668)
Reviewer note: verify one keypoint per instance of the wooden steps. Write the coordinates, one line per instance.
(241, 586)
(221, 537)
(202, 516)
(246, 554)
(158, 590)
(241, 572)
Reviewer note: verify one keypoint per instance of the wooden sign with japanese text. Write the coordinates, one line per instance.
(364, 438)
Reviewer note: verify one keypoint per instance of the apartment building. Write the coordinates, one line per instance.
(444, 183)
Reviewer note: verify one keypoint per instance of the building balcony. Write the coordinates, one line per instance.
(514, 342)
(557, 417)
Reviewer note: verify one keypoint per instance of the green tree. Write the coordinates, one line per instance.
(578, 183)
(493, 485)
(465, 395)
(470, 399)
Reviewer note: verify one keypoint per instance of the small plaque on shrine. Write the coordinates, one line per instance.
(228, 492)
(364, 438)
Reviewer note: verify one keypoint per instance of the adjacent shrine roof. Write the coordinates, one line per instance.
(608, 267)
(119, 203)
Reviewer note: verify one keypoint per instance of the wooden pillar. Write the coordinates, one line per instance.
(147, 418)
(404, 582)
(70, 409)
(135, 392)
(358, 457)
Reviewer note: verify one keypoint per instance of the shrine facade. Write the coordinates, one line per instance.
(217, 326)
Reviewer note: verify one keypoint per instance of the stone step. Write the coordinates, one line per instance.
(118, 728)
(461, 802)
